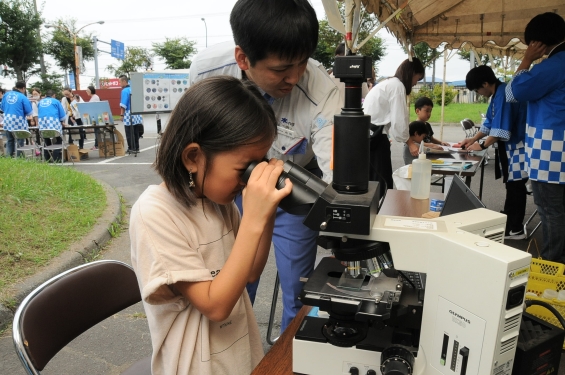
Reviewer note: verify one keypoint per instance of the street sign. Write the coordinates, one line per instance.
(117, 49)
(72, 84)
(110, 83)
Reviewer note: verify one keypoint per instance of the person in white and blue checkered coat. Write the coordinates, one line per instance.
(505, 124)
(543, 87)
(16, 107)
(135, 121)
(51, 116)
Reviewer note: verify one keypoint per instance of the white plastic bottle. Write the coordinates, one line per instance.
(421, 176)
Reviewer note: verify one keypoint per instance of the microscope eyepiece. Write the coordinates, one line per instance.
(306, 187)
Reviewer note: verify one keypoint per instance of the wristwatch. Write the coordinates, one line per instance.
(483, 147)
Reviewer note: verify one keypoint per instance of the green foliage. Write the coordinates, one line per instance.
(61, 46)
(454, 113)
(50, 82)
(20, 46)
(175, 52)
(44, 210)
(450, 93)
(426, 54)
(329, 39)
(434, 94)
(483, 58)
(135, 59)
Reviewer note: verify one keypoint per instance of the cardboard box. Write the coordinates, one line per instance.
(71, 152)
(108, 145)
(83, 154)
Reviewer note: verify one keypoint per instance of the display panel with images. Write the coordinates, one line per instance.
(157, 92)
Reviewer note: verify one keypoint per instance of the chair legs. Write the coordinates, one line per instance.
(529, 235)
(273, 310)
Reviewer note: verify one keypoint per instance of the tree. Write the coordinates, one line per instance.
(19, 46)
(50, 82)
(329, 39)
(62, 48)
(428, 56)
(135, 59)
(175, 52)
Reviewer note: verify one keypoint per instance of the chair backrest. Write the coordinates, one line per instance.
(49, 133)
(67, 305)
(21, 134)
(467, 124)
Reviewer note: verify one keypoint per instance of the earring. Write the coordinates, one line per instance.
(190, 180)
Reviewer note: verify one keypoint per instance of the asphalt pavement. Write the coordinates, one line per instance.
(111, 346)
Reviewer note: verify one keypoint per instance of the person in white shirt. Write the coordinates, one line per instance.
(387, 105)
(274, 54)
(91, 91)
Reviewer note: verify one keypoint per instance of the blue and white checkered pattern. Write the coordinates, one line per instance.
(12, 122)
(50, 123)
(508, 91)
(516, 162)
(545, 154)
(132, 120)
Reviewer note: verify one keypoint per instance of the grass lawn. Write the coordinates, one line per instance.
(44, 209)
(454, 113)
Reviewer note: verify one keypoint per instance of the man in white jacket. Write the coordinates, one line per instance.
(273, 42)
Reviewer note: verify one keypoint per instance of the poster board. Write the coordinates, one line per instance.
(157, 92)
(94, 109)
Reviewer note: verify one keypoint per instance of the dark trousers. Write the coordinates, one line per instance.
(515, 204)
(82, 134)
(132, 137)
(55, 155)
(381, 162)
(550, 200)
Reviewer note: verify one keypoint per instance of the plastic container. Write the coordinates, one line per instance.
(549, 294)
(421, 176)
(547, 267)
(537, 284)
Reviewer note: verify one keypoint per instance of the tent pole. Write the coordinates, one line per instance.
(443, 93)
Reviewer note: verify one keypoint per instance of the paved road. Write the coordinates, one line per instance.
(114, 344)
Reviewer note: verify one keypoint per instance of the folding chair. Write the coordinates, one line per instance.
(61, 146)
(69, 304)
(468, 127)
(23, 134)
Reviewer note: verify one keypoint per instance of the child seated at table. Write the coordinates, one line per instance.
(418, 132)
(423, 108)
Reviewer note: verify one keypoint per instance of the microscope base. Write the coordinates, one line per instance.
(316, 358)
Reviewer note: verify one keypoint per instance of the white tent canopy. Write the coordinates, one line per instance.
(454, 22)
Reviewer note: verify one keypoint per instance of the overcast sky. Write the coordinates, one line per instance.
(139, 23)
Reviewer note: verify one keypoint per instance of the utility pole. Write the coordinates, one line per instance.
(96, 78)
(41, 59)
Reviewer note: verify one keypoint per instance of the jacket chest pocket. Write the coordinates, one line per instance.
(288, 143)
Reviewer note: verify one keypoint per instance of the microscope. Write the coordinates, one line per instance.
(400, 295)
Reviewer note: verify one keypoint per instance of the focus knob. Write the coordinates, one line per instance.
(397, 360)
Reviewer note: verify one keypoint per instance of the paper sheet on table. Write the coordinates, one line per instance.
(447, 161)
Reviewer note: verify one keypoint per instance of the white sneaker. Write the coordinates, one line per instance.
(519, 235)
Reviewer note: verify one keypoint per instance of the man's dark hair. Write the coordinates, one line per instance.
(220, 114)
(479, 75)
(49, 93)
(422, 102)
(406, 71)
(124, 77)
(20, 85)
(417, 127)
(92, 89)
(340, 50)
(286, 28)
(548, 28)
